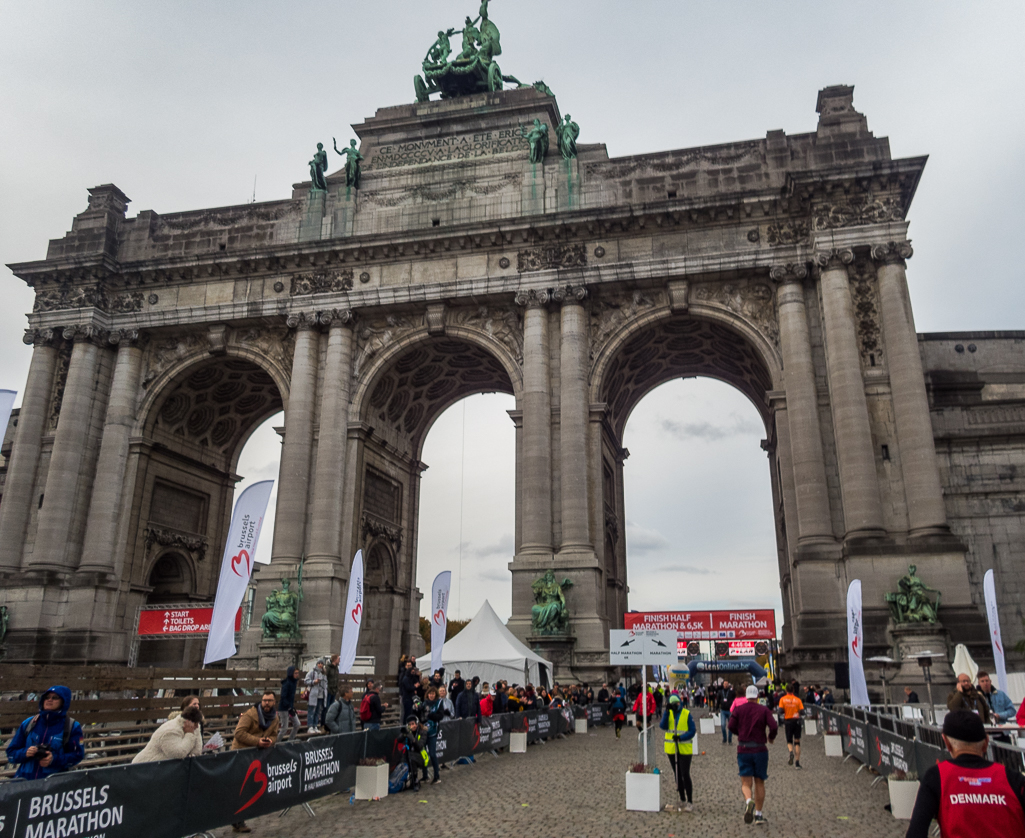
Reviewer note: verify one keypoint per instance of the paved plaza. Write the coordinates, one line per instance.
(576, 788)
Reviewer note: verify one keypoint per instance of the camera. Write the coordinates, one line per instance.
(42, 751)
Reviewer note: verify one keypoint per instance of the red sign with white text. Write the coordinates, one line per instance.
(179, 621)
(707, 625)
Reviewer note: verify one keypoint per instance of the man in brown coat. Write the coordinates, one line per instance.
(966, 697)
(257, 728)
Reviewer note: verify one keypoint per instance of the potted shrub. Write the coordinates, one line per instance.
(903, 788)
(643, 793)
(371, 779)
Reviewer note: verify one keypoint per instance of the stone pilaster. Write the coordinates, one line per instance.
(813, 518)
(927, 514)
(21, 471)
(56, 516)
(325, 537)
(863, 514)
(98, 553)
(574, 419)
(297, 448)
(536, 445)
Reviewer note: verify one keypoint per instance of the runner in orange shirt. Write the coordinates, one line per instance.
(793, 707)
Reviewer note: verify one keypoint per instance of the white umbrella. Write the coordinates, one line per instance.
(963, 663)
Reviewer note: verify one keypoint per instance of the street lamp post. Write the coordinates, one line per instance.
(883, 662)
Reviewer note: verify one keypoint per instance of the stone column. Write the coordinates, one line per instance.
(296, 450)
(98, 553)
(863, 514)
(535, 489)
(62, 479)
(809, 467)
(21, 470)
(574, 418)
(326, 535)
(927, 514)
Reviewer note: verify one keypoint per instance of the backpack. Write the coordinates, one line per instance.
(397, 779)
(364, 709)
(68, 725)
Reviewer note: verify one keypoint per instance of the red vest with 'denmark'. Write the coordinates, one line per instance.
(978, 801)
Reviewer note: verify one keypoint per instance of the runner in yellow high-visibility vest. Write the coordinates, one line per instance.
(678, 724)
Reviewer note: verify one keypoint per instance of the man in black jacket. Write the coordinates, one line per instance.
(456, 686)
(729, 695)
(286, 706)
(968, 794)
(408, 682)
(375, 706)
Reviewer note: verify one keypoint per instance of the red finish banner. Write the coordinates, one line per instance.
(707, 625)
(174, 621)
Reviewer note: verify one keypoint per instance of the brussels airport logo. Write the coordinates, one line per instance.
(357, 612)
(256, 772)
(236, 560)
(439, 617)
(856, 631)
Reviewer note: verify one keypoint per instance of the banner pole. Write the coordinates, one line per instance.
(644, 709)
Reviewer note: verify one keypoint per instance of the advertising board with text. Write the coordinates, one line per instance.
(707, 625)
(642, 648)
(175, 621)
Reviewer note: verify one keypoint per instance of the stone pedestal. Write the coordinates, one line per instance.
(558, 648)
(909, 640)
(310, 227)
(280, 654)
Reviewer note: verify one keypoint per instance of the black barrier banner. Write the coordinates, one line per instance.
(180, 797)
(831, 722)
(227, 788)
(891, 753)
(926, 756)
(855, 739)
(103, 801)
(597, 714)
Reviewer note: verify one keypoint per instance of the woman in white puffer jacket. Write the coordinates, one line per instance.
(175, 739)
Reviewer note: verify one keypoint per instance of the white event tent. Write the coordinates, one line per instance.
(487, 649)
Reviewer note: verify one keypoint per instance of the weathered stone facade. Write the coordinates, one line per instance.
(777, 265)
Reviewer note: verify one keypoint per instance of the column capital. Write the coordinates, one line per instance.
(838, 257)
(892, 253)
(789, 272)
(336, 317)
(534, 298)
(302, 321)
(572, 294)
(39, 337)
(92, 334)
(127, 337)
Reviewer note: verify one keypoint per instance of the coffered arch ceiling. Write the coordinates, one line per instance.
(217, 404)
(411, 392)
(681, 347)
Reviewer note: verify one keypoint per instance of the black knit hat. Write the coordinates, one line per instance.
(964, 725)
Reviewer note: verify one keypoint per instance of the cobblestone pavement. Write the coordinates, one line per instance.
(576, 787)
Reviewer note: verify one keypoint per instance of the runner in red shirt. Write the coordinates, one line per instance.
(969, 795)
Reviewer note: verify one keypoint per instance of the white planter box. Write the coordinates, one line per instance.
(643, 792)
(902, 797)
(811, 727)
(371, 781)
(706, 726)
(517, 743)
(834, 745)
(717, 720)
(580, 726)
(631, 718)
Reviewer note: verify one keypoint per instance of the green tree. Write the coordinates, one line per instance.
(451, 630)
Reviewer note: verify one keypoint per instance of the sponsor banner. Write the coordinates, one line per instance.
(989, 589)
(891, 752)
(98, 802)
(707, 625)
(830, 721)
(353, 617)
(742, 648)
(598, 714)
(439, 616)
(236, 569)
(231, 787)
(856, 646)
(488, 735)
(855, 739)
(177, 621)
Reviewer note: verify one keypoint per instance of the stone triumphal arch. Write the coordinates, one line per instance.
(461, 258)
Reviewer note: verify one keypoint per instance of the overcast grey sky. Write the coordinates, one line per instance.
(183, 104)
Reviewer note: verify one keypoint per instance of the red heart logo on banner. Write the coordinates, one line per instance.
(237, 560)
(476, 736)
(255, 771)
(439, 617)
(357, 611)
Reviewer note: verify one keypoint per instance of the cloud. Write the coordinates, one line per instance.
(641, 540)
(505, 546)
(686, 568)
(738, 426)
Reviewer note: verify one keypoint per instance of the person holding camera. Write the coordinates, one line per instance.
(966, 697)
(50, 741)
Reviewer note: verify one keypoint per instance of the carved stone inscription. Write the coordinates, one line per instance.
(441, 149)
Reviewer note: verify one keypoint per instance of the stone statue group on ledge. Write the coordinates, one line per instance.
(911, 603)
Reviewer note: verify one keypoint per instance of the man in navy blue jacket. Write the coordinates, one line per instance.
(50, 741)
